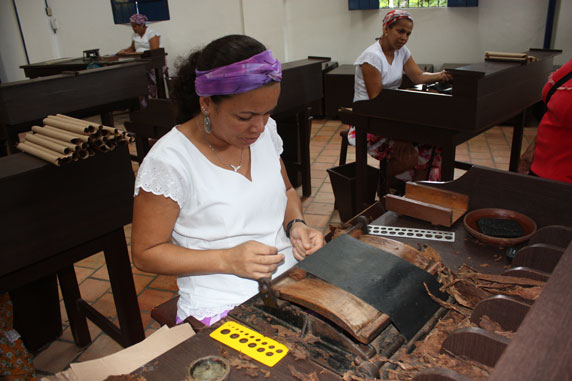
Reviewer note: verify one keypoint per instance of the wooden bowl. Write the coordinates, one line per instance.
(209, 368)
(527, 225)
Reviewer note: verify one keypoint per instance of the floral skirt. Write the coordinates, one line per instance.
(15, 360)
(380, 148)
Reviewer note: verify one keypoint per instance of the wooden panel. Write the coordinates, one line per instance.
(33, 99)
(541, 348)
(60, 207)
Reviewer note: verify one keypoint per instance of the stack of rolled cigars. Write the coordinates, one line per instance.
(64, 139)
(504, 56)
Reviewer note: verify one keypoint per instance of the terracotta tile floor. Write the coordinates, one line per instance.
(490, 149)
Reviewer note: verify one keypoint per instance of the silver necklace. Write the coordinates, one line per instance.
(234, 167)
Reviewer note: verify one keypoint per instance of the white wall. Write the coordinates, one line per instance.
(293, 29)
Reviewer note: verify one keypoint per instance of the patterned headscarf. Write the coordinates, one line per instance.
(395, 15)
(239, 77)
(138, 19)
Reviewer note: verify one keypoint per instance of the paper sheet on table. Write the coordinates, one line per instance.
(129, 359)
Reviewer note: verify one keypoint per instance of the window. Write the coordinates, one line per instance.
(155, 10)
(377, 4)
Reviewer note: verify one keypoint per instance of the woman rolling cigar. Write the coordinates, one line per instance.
(213, 204)
(144, 38)
(380, 67)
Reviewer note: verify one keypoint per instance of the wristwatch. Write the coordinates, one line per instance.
(289, 226)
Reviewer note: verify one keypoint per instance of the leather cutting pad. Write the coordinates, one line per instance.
(386, 282)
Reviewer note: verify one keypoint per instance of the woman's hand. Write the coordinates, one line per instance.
(253, 260)
(443, 76)
(305, 240)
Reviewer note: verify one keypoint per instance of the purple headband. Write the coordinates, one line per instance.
(239, 77)
(138, 19)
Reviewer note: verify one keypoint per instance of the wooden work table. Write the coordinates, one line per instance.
(53, 217)
(544, 345)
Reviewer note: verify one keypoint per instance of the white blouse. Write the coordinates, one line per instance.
(391, 75)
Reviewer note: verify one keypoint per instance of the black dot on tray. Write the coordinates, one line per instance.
(243, 340)
(279, 351)
(260, 349)
(251, 345)
(234, 336)
(225, 331)
(269, 354)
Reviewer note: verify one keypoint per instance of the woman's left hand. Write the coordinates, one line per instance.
(305, 240)
(444, 76)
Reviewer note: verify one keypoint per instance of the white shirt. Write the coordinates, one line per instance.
(391, 75)
(141, 43)
(219, 209)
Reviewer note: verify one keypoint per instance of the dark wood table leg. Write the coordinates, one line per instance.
(516, 145)
(71, 294)
(305, 125)
(448, 162)
(107, 118)
(123, 287)
(361, 168)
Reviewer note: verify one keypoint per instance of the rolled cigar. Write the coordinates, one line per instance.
(83, 153)
(94, 125)
(112, 130)
(26, 147)
(69, 145)
(56, 134)
(506, 54)
(39, 140)
(65, 125)
(84, 138)
(46, 150)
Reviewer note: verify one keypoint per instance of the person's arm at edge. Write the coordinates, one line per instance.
(305, 240)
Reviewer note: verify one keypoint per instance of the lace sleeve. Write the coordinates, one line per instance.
(162, 179)
(276, 139)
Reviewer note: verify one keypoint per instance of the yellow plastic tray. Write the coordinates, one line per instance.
(251, 343)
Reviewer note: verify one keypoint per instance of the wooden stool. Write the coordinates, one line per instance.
(166, 314)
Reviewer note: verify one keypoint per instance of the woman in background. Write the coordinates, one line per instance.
(144, 38)
(379, 67)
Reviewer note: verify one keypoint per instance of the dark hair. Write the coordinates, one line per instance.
(221, 52)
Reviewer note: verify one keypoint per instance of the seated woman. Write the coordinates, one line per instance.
(144, 38)
(213, 204)
(380, 67)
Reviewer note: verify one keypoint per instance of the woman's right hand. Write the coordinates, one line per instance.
(253, 260)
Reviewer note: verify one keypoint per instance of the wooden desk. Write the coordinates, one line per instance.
(484, 94)
(56, 216)
(80, 94)
(539, 350)
(154, 59)
(486, 188)
(172, 364)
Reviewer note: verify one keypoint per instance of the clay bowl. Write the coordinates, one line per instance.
(527, 225)
(209, 368)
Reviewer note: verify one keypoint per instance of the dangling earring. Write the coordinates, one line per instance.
(207, 122)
